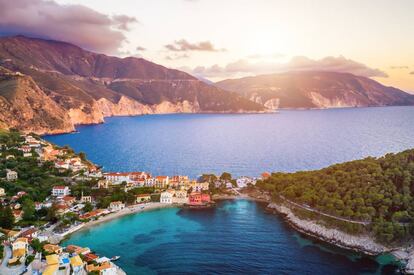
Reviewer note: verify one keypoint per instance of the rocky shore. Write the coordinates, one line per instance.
(362, 243)
(334, 236)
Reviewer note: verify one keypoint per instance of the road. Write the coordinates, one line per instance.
(308, 208)
(5, 270)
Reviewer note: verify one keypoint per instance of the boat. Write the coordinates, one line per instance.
(115, 258)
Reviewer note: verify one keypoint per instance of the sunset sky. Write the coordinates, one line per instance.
(220, 39)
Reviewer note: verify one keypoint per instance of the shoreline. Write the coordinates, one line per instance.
(130, 210)
(359, 244)
(310, 228)
(75, 130)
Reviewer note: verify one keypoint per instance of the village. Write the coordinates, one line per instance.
(76, 194)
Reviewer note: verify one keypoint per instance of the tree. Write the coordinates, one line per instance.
(6, 218)
(52, 214)
(225, 176)
(82, 156)
(28, 210)
(88, 207)
(36, 245)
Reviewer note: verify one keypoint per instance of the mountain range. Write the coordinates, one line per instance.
(316, 89)
(49, 87)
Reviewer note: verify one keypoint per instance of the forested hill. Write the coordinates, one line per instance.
(376, 190)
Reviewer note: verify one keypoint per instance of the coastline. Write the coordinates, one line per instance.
(74, 130)
(134, 209)
(360, 244)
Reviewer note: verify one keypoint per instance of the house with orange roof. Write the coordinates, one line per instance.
(69, 200)
(162, 181)
(90, 257)
(266, 175)
(102, 268)
(62, 209)
(29, 233)
(93, 214)
(53, 248)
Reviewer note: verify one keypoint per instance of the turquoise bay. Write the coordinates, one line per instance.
(237, 237)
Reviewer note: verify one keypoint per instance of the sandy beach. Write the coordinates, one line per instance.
(134, 209)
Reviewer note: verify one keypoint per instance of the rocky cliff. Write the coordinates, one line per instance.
(316, 90)
(58, 85)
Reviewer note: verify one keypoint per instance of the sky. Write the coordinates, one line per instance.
(219, 39)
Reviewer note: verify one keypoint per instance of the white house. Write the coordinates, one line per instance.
(166, 197)
(11, 175)
(116, 206)
(61, 165)
(180, 197)
(2, 192)
(199, 186)
(60, 191)
(150, 182)
(244, 181)
(118, 178)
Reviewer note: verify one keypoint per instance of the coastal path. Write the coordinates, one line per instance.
(310, 209)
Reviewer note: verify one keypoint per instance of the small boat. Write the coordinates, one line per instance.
(115, 258)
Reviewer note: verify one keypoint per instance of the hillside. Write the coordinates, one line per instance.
(375, 191)
(82, 87)
(316, 90)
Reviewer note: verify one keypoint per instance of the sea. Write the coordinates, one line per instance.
(236, 237)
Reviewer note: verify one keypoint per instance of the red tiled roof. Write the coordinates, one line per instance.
(68, 198)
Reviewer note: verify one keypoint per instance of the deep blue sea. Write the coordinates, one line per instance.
(192, 144)
(238, 237)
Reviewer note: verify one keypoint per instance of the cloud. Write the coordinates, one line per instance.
(399, 67)
(266, 56)
(177, 56)
(412, 72)
(184, 46)
(244, 67)
(123, 21)
(140, 49)
(75, 24)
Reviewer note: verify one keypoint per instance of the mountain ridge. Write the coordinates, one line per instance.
(316, 89)
(89, 86)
